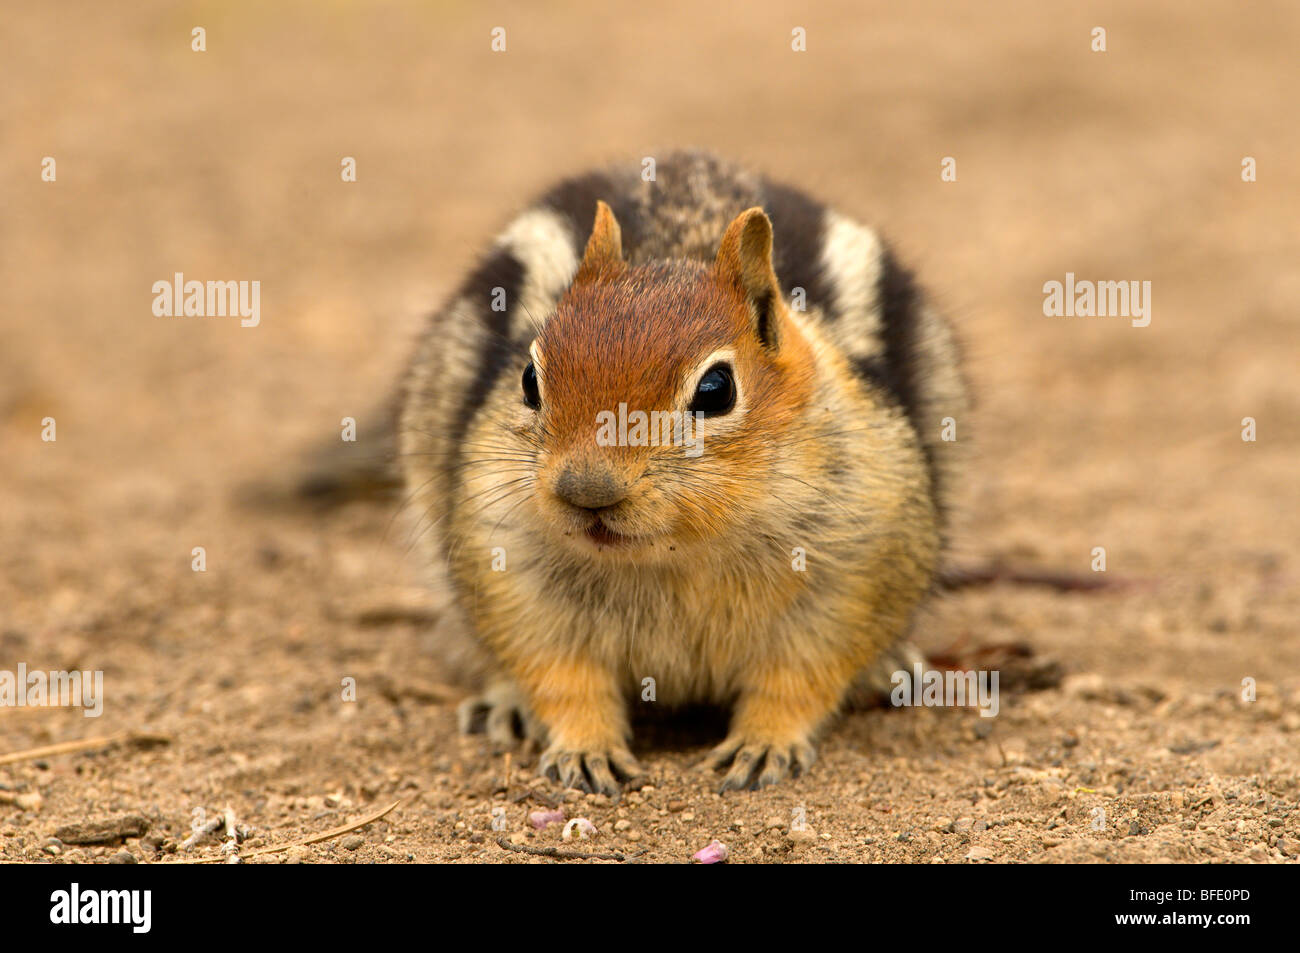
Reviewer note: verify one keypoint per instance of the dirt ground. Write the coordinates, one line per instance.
(225, 164)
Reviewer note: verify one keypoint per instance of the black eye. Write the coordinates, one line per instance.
(531, 396)
(715, 395)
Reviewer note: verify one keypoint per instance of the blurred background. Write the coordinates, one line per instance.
(225, 164)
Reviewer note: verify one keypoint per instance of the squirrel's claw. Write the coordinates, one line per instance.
(591, 771)
(754, 765)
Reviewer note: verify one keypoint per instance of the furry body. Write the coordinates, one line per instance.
(769, 573)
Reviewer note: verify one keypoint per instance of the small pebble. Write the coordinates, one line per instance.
(582, 826)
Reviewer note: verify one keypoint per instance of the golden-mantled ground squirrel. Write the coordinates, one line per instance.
(760, 543)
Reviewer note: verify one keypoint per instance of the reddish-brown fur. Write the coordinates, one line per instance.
(627, 334)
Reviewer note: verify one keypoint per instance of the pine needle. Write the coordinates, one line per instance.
(139, 739)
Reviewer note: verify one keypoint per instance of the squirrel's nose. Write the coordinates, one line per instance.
(589, 488)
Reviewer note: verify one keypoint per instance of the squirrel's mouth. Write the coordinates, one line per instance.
(602, 535)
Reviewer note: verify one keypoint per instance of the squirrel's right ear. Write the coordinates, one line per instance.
(745, 262)
(604, 255)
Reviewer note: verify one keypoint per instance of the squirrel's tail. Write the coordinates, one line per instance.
(351, 466)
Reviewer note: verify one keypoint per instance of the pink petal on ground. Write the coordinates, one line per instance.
(540, 819)
(715, 853)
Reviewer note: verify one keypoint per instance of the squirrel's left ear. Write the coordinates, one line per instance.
(604, 255)
(745, 262)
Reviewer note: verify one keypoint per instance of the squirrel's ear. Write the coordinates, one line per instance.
(604, 255)
(745, 262)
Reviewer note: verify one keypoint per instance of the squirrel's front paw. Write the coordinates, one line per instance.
(755, 764)
(599, 771)
(500, 713)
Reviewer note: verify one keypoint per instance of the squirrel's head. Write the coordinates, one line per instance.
(660, 398)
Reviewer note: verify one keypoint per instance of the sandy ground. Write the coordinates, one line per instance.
(1089, 432)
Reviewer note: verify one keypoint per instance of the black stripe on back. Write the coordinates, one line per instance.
(500, 269)
(797, 238)
(896, 372)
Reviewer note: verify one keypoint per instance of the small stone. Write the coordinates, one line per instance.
(352, 842)
(580, 827)
(622, 825)
(979, 853)
(106, 831)
(1089, 687)
(123, 857)
(154, 842)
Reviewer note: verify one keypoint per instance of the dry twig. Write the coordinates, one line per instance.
(136, 739)
(556, 852)
(314, 839)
